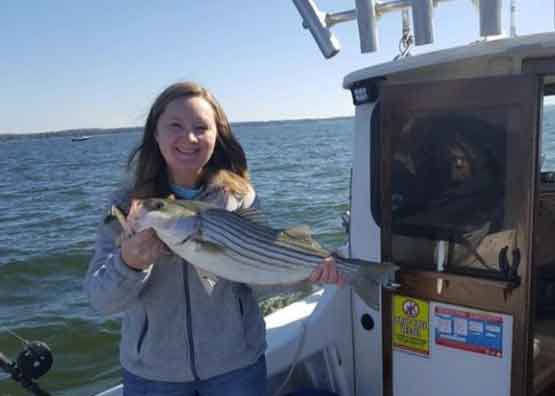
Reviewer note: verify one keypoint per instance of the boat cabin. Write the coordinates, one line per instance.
(448, 184)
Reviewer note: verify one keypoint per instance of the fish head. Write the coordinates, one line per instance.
(173, 221)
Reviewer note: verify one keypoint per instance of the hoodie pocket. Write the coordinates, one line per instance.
(142, 336)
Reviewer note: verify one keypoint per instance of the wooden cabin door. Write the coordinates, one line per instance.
(457, 179)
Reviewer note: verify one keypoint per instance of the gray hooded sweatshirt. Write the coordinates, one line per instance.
(173, 329)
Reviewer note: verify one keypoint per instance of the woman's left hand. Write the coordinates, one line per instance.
(327, 272)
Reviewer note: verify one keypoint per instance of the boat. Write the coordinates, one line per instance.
(80, 138)
(447, 183)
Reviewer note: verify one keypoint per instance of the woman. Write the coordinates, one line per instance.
(178, 338)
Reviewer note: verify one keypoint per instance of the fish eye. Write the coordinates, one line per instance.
(154, 204)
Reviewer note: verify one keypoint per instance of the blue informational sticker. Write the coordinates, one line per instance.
(469, 331)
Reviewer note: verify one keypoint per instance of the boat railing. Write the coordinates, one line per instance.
(368, 12)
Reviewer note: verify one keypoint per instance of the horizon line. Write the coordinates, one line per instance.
(3, 134)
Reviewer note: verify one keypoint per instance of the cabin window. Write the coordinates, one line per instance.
(449, 185)
(547, 159)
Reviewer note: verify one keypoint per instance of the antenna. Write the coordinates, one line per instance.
(367, 12)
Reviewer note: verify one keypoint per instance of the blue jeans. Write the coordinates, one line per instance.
(248, 381)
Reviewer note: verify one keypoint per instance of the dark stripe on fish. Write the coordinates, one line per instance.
(240, 226)
(251, 242)
(213, 233)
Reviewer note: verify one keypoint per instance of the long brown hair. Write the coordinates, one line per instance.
(226, 168)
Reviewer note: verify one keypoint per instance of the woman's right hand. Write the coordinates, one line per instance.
(140, 249)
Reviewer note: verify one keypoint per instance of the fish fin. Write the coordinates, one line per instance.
(368, 279)
(118, 214)
(253, 215)
(301, 233)
(111, 213)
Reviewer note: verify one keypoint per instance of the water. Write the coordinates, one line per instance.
(52, 195)
(52, 192)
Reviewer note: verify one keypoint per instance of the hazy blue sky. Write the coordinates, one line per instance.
(76, 64)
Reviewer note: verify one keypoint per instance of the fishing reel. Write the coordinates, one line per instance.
(32, 363)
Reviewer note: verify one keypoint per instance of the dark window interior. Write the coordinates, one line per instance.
(448, 177)
(448, 183)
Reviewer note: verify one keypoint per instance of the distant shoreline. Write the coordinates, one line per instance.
(98, 131)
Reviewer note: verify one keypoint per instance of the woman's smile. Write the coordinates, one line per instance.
(187, 152)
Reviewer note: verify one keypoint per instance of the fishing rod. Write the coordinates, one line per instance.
(34, 360)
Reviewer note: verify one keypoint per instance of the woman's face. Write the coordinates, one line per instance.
(186, 134)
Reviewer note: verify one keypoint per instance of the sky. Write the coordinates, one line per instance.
(100, 64)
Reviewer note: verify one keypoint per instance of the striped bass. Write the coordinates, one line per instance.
(241, 247)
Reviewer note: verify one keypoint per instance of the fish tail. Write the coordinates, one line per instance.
(366, 277)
